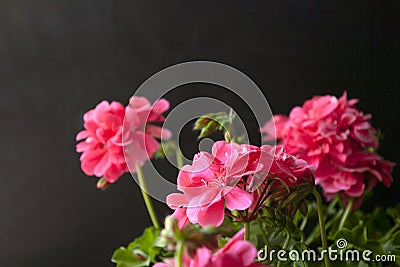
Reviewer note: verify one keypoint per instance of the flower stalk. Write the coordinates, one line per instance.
(322, 225)
(346, 214)
(146, 197)
(179, 157)
(247, 231)
(179, 253)
(286, 244)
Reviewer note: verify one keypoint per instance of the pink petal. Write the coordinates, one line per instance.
(113, 173)
(243, 250)
(102, 165)
(202, 257)
(82, 135)
(90, 160)
(83, 146)
(237, 237)
(202, 196)
(238, 199)
(230, 260)
(92, 155)
(151, 145)
(176, 200)
(180, 215)
(325, 168)
(357, 190)
(139, 103)
(213, 215)
(141, 148)
(222, 150)
(160, 106)
(192, 214)
(158, 132)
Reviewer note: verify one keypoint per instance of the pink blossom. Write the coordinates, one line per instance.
(113, 133)
(291, 170)
(102, 153)
(140, 137)
(215, 181)
(338, 139)
(274, 128)
(235, 253)
(210, 183)
(279, 164)
(180, 215)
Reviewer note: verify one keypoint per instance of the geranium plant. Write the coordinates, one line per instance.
(246, 205)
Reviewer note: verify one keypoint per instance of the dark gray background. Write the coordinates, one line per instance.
(60, 58)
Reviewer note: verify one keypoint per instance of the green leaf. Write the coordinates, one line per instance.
(166, 148)
(396, 240)
(359, 235)
(362, 264)
(146, 241)
(140, 252)
(394, 213)
(125, 258)
(377, 223)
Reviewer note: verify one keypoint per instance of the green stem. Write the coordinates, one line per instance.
(264, 236)
(346, 214)
(302, 236)
(285, 245)
(304, 222)
(389, 234)
(322, 226)
(227, 135)
(179, 254)
(247, 231)
(287, 240)
(315, 233)
(333, 202)
(146, 197)
(179, 157)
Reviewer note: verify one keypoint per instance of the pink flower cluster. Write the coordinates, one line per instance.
(235, 253)
(229, 177)
(140, 137)
(338, 139)
(106, 137)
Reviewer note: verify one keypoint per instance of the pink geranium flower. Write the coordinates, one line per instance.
(102, 153)
(210, 183)
(140, 137)
(235, 253)
(229, 178)
(338, 139)
(291, 170)
(113, 133)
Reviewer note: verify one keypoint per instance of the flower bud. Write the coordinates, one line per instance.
(303, 208)
(201, 123)
(102, 184)
(208, 129)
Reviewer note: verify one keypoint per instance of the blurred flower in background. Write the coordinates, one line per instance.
(107, 139)
(236, 252)
(102, 153)
(338, 139)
